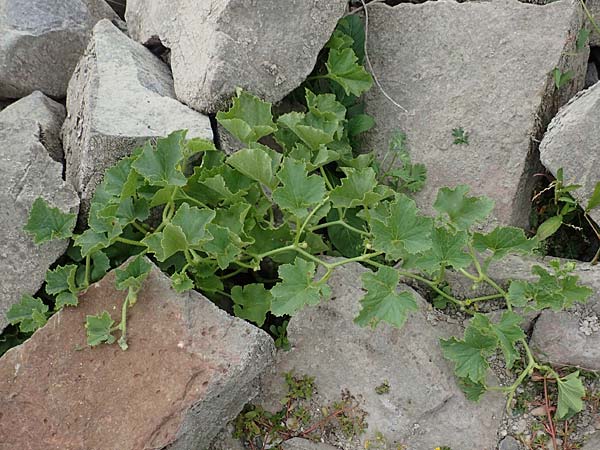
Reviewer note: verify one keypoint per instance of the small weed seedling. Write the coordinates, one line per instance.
(460, 136)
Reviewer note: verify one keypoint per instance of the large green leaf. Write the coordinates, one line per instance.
(249, 118)
(462, 210)
(343, 68)
(258, 163)
(161, 166)
(508, 331)
(133, 275)
(570, 396)
(447, 251)
(29, 313)
(357, 189)
(382, 301)
(60, 279)
(252, 302)
(314, 129)
(225, 245)
(352, 26)
(193, 222)
(46, 223)
(298, 191)
(504, 240)
(296, 288)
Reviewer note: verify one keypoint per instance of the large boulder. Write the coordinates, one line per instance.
(483, 66)
(189, 368)
(41, 42)
(120, 96)
(424, 407)
(266, 47)
(572, 143)
(27, 171)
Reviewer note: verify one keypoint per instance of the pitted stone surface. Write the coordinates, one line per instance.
(27, 171)
(120, 96)
(266, 47)
(190, 368)
(450, 65)
(41, 42)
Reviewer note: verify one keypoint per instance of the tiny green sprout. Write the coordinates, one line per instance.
(460, 136)
(383, 388)
(561, 78)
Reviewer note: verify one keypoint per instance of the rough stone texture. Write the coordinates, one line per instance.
(594, 8)
(509, 443)
(591, 76)
(26, 172)
(424, 407)
(190, 367)
(450, 65)
(572, 143)
(303, 444)
(41, 42)
(49, 115)
(266, 47)
(593, 442)
(120, 96)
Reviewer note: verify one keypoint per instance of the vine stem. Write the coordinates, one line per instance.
(86, 281)
(300, 230)
(341, 223)
(129, 241)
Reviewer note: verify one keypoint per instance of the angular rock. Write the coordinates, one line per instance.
(190, 368)
(41, 42)
(303, 444)
(591, 76)
(120, 96)
(509, 443)
(266, 47)
(26, 172)
(592, 442)
(594, 9)
(424, 407)
(49, 115)
(450, 65)
(572, 143)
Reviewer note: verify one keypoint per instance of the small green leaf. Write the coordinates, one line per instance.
(383, 301)
(161, 166)
(252, 302)
(296, 288)
(463, 211)
(504, 240)
(225, 245)
(46, 223)
(582, 38)
(61, 279)
(357, 189)
(258, 163)
(570, 396)
(343, 68)
(403, 231)
(508, 332)
(549, 227)
(360, 124)
(181, 282)
(29, 313)
(460, 136)
(248, 119)
(473, 391)
(560, 78)
(173, 241)
(66, 299)
(352, 26)
(133, 275)
(91, 241)
(100, 265)
(594, 200)
(447, 251)
(298, 191)
(99, 329)
(193, 222)
(314, 129)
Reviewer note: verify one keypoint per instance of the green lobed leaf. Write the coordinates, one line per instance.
(181, 282)
(508, 331)
(173, 240)
(570, 396)
(403, 231)
(62, 278)
(357, 189)
(463, 211)
(248, 119)
(352, 26)
(313, 129)
(161, 166)
(447, 250)
(47, 223)
(91, 241)
(193, 221)
(252, 302)
(100, 265)
(343, 68)
(133, 275)
(29, 313)
(296, 288)
(349, 243)
(298, 191)
(473, 391)
(504, 240)
(258, 163)
(66, 299)
(360, 123)
(225, 245)
(99, 329)
(382, 301)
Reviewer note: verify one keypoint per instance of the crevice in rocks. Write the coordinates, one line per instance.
(215, 130)
(398, 2)
(157, 48)
(118, 6)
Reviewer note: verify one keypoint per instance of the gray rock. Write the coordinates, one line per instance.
(571, 142)
(266, 47)
(190, 368)
(593, 442)
(41, 42)
(49, 115)
(591, 76)
(120, 96)
(26, 172)
(451, 66)
(424, 407)
(594, 9)
(303, 444)
(509, 443)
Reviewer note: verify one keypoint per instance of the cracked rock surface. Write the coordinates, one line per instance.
(29, 135)
(190, 368)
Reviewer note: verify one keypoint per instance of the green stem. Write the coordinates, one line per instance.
(300, 230)
(341, 223)
(192, 199)
(129, 241)
(123, 324)
(232, 274)
(86, 281)
(188, 257)
(138, 227)
(317, 77)
(470, 301)
(325, 178)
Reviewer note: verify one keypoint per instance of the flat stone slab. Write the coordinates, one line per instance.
(423, 409)
(190, 368)
(303, 444)
(41, 42)
(29, 132)
(266, 47)
(482, 66)
(120, 96)
(572, 143)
